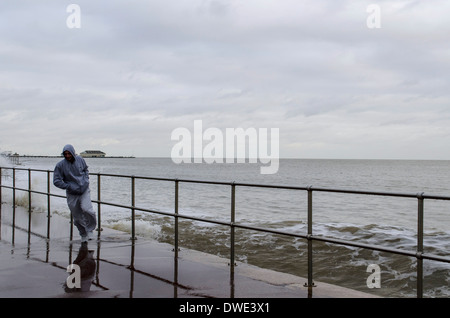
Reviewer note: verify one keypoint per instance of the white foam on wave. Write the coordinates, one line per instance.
(142, 228)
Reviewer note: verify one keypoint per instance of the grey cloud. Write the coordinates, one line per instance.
(138, 67)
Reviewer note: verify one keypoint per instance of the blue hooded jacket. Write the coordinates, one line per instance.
(71, 176)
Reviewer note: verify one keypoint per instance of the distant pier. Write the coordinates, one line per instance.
(31, 156)
(15, 158)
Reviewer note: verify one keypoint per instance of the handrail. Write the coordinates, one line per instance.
(418, 253)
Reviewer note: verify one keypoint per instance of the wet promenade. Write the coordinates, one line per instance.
(34, 266)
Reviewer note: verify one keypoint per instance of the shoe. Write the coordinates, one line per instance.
(90, 235)
(84, 239)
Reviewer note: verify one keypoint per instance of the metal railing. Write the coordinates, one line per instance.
(419, 253)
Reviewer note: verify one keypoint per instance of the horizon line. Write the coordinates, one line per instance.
(230, 158)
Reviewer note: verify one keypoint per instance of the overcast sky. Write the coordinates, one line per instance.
(136, 70)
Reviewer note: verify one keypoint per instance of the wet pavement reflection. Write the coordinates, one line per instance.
(82, 275)
(115, 265)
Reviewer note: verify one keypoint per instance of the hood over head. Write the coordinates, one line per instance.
(69, 148)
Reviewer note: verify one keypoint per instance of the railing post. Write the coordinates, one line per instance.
(71, 226)
(29, 205)
(99, 218)
(133, 210)
(176, 219)
(175, 261)
(14, 205)
(232, 221)
(0, 203)
(310, 282)
(419, 245)
(48, 204)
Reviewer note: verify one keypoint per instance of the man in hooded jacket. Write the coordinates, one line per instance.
(72, 175)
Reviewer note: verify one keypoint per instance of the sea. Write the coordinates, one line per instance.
(375, 220)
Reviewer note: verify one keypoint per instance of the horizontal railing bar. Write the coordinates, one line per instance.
(379, 193)
(362, 245)
(273, 231)
(347, 243)
(286, 187)
(255, 185)
(194, 218)
(304, 188)
(424, 196)
(34, 191)
(438, 258)
(26, 169)
(435, 197)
